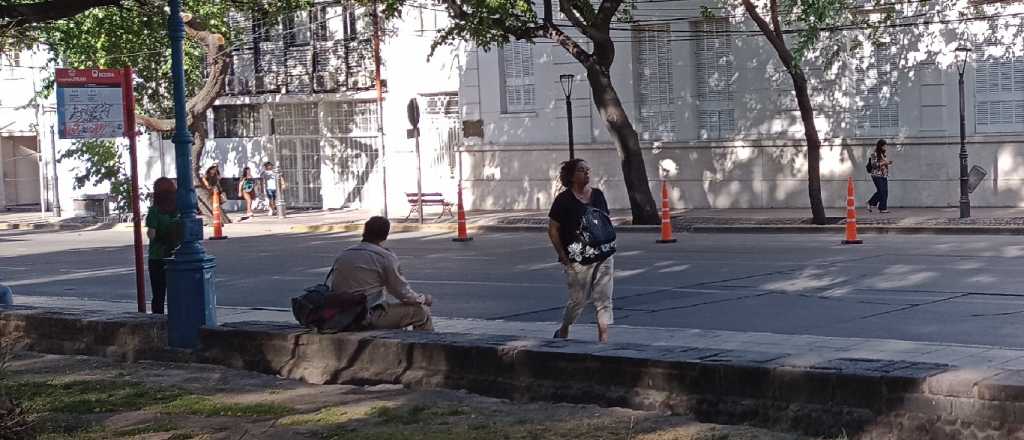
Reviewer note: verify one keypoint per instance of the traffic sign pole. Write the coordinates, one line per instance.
(133, 154)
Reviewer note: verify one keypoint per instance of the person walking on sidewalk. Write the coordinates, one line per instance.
(878, 166)
(162, 230)
(583, 236)
(371, 270)
(270, 182)
(247, 188)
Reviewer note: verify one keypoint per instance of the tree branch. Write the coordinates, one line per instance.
(565, 6)
(218, 62)
(774, 12)
(25, 14)
(578, 52)
(606, 12)
(776, 41)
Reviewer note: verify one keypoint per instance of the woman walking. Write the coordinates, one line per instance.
(878, 166)
(247, 188)
(584, 238)
(162, 230)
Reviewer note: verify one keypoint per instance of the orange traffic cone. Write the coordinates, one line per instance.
(463, 235)
(666, 219)
(218, 223)
(851, 215)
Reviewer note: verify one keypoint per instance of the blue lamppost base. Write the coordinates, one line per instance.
(6, 296)
(191, 299)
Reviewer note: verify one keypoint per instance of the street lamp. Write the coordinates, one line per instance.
(566, 79)
(192, 300)
(962, 54)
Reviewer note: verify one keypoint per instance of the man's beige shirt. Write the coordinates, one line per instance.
(371, 270)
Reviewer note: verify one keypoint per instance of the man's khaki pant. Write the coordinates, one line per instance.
(397, 316)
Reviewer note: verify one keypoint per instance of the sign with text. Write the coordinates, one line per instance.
(90, 103)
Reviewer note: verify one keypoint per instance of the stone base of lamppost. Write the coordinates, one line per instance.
(191, 299)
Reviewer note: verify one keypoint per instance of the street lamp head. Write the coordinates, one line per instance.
(962, 53)
(566, 79)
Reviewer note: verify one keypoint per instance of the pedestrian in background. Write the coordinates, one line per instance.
(247, 188)
(581, 231)
(878, 166)
(211, 182)
(270, 182)
(162, 230)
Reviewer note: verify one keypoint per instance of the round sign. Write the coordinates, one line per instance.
(414, 112)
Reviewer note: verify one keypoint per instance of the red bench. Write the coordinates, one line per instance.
(428, 199)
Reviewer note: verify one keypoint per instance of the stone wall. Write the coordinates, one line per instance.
(861, 398)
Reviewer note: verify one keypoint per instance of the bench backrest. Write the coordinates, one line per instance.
(427, 197)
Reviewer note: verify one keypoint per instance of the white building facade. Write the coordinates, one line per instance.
(718, 119)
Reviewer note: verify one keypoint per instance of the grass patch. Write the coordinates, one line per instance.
(328, 416)
(207, 407)
(416, 414)
(89, 396)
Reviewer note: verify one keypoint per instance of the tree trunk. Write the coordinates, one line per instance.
(803, 100)
(199, 135)
(634, 174)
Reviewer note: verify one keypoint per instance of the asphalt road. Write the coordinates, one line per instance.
(967, 289)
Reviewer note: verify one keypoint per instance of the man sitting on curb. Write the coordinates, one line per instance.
(371, 270)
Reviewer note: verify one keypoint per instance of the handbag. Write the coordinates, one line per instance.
(318, 308)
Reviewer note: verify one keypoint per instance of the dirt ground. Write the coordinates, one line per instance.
(75, 397)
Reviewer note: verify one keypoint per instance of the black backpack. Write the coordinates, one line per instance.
(597, 236)
(872, 165)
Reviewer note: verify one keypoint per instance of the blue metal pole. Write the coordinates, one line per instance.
(191, 297)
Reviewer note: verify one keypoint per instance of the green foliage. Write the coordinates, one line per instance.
(89, 396)
(136, 35)
(207, 407)
(102, 162)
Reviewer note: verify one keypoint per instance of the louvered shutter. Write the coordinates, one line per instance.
(654, 80)
(876, 85)
(518, 73)
(998, 88)
(715, 79)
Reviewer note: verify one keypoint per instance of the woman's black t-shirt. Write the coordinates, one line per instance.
(567, 210)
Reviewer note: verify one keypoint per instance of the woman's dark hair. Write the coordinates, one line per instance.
(376, 229)
(567, 170)
(246, 172)
(211, 168)
(878, 148)
(164, 193)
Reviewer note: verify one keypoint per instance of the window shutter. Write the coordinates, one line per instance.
(653, 50)
(876, 86)
(998, 88)
(518, 76)
(715, 79)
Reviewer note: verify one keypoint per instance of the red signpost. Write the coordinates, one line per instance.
(100, 103)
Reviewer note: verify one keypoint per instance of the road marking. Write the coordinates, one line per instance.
(74, 276)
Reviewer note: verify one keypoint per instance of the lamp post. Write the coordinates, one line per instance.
(190, 277)
(566, 79)
(962, 54)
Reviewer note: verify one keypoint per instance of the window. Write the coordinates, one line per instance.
(716, 113)
(348, 117)
(296, 28)
(517, 77)
(296, 120)
(998, 88)
(236, 121)
(654, 81)
(442, 105)
(876, 85)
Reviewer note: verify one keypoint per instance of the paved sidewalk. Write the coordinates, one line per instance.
(803, 349)
(782, 220)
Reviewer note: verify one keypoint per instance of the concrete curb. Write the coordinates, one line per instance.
(65, 226)
(697, 229)
(858, 398)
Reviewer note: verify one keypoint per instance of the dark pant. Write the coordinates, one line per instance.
(881, 196)
(158, 282)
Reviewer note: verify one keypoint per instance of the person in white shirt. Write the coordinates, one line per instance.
(271, 181)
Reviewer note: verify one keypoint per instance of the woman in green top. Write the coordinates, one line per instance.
(162, 230)
(247, 188)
